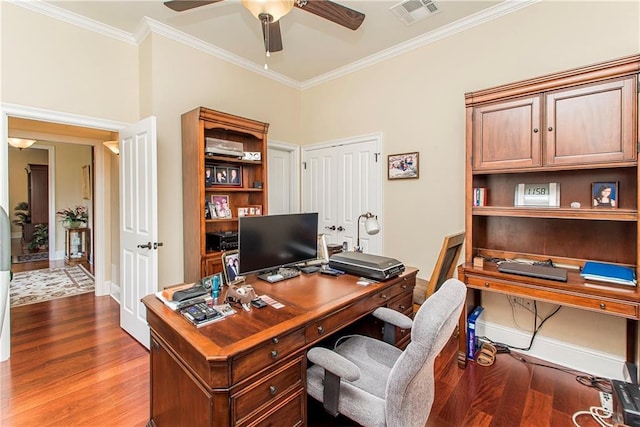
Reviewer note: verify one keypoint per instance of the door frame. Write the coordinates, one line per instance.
(293, 151)
(14, 110)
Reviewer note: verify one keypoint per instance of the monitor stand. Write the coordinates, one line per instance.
(282, 273)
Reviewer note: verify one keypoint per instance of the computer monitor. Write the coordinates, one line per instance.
(268, 242)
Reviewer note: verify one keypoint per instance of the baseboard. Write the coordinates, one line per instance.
(558, 352)
(115, 292)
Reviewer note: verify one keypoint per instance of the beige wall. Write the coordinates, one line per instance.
(416, 100)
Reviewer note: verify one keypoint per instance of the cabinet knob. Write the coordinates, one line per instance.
(550, 128)
(274, 354)
(273, 390)
(383, 296)
(404, 287)
(535, 130)
(275, 340)
(486, 284)
(603, 306)
(402, 307)
(320, 330)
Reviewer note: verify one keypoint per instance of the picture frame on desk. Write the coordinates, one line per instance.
(230, 265)
(604, 195)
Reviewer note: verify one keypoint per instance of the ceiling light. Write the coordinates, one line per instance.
(275, 8)
(114, 146)
(21, 142)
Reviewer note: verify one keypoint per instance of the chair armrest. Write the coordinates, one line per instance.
(396, 318)
(334, 363)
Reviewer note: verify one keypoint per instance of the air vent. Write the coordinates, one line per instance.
(411, 11)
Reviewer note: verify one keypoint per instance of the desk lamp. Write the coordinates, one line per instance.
(371, 226)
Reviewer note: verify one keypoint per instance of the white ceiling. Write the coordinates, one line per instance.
(314, 48)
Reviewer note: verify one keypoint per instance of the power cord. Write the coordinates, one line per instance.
(599, 414)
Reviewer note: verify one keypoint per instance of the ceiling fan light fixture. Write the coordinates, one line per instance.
(21, 142)
(276, 8)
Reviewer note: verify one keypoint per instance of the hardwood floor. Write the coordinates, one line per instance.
(72, 365)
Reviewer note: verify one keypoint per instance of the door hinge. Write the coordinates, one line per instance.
(377, 155)
(638, 147)
(304, 165)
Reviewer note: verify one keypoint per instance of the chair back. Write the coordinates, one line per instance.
(410, 388)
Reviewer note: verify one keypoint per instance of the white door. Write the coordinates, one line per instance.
(282, 161)
(341, 182)
(138, 225)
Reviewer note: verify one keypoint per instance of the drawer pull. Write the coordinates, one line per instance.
(402, 307)
(275, 340)
(603, 306)
(383, 296)
(320, 330)
(273, 390)
(404, 286)
(486, 284)
(274, 354)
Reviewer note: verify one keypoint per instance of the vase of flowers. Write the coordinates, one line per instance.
(73, 217)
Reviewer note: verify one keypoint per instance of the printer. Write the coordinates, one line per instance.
(371, 266)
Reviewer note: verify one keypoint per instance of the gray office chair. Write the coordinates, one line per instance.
(377, 384)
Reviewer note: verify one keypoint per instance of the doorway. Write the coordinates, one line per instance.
(41, 124)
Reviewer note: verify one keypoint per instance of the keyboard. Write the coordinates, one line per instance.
(531, 270)
(280, 275)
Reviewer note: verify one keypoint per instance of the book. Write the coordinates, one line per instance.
(479, 196)
(610, 273)
(472, 336)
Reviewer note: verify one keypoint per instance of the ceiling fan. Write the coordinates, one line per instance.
(268, 12)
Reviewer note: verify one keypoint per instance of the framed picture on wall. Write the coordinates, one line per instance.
(403, 166)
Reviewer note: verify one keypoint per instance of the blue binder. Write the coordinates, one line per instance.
(609, 273)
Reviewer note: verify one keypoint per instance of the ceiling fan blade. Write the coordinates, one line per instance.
(182, 5)
(275, 37)
(334, 12)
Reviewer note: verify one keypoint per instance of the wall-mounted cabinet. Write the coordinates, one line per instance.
(216, 186)
(574, 128)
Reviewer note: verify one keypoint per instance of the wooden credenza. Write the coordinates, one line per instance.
(250, 368)
(575, 128)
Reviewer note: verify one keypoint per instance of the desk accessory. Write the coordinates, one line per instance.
(610, 273)
(539, 195)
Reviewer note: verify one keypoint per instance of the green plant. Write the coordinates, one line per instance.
(21, 212)
(40, 237)
(77, 214)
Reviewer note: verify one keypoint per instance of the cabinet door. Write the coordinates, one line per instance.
(591, 124)
(506, 135)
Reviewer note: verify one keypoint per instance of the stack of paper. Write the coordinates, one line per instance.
(609, 273)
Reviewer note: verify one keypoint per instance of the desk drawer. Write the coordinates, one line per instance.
(593, 303)
(291, 413)
(269, 389)
(403, 304)
(276, 350)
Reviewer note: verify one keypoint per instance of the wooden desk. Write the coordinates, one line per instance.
(610, 299)
(250, 368)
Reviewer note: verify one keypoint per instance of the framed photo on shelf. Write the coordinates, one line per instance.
(604, 194)
(230, 265)
(219, 206)
(209, 177)
(250, 210)
(403, 166)
(226, 175)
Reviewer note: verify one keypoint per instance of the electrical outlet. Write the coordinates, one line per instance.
(521, 302)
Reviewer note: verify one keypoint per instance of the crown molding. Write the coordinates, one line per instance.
(456, 27)
(69, 17)
(148, 26)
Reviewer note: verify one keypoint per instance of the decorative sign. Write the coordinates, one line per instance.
(538, 195)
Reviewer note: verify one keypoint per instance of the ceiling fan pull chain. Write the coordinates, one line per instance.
(265, 23)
